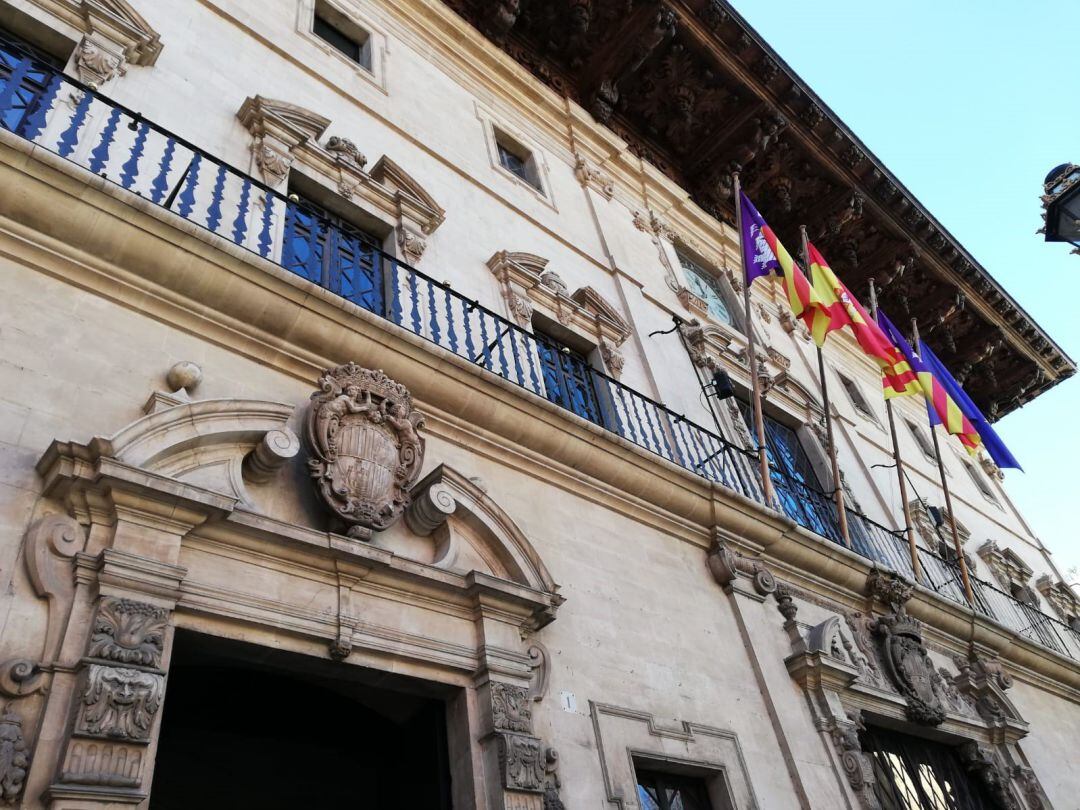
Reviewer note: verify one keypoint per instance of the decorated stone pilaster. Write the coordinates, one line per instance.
(527, 766)
(119, 692)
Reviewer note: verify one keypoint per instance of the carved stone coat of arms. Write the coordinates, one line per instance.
(366, 449)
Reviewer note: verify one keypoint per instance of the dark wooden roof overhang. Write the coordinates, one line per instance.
(694, 90)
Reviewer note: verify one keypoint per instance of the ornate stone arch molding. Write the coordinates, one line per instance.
(216, 444)
(285, 135)
(873, 665)
(464, 519)
(529, 286)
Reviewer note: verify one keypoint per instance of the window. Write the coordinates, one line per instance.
(980, 482)
(33, 72)
(337, 30)
(665, 791)
(917, 774)
(517, 160)
(855, 394)
(568, 378)
(707, 287)
(794, 478)
(323, 248)
(921, 439)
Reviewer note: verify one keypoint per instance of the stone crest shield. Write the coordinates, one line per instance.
(910, 668)
(366, 450)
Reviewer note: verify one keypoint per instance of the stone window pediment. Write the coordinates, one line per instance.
(284, 135)
(1062, 598)
(529, 287)
(1013, 574)
(115, 36)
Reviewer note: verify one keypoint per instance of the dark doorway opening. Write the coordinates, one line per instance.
(246, 726)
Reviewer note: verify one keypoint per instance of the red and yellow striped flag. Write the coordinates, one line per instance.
(843, 309)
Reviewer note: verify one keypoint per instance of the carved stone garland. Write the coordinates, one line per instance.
(366, 450)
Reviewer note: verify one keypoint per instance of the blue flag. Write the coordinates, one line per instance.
(991, 441)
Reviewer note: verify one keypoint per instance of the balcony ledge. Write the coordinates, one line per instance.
(121, 246)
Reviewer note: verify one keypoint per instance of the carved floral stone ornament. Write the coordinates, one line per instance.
(14, 759)
(129, 632)
(366, 450)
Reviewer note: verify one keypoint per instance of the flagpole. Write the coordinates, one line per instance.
(759, 422)
(909, 528)
(838, 488)
(961, 560)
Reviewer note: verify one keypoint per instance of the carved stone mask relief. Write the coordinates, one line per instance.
(119, 702)
(366, 450)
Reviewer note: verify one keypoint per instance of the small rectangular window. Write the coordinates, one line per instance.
(921, 439)
(857, 398)
(665, 791)
(334, 28)
(517, 160)
(980, 482)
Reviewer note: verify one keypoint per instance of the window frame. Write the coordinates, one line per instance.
(922, 441)
(360, 37)
(981, 484)
(696, 786)
(353, 16)
(507, 144)
(571, 372)
(858, 400)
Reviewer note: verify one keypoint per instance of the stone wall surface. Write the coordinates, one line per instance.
(652, 651)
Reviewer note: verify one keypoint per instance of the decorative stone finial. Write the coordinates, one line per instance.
(366, 450)
(184, 376)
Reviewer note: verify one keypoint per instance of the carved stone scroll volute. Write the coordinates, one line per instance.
(366, 450)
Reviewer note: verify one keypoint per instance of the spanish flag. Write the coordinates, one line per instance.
(941, 405)
(764, 255)
(843, 309)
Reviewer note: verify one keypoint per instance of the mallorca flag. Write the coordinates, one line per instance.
(991, 441)
(845, 310)
(941, 405)
(763, 255)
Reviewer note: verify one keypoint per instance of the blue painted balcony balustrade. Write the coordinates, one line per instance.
(60, 114)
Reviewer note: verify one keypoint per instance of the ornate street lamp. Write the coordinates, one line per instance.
(1061, 199)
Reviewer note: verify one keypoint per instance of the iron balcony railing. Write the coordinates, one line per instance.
(64, 116)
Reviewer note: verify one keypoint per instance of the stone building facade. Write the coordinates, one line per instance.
(350, 457)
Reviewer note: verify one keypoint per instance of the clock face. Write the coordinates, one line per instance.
(706, 288)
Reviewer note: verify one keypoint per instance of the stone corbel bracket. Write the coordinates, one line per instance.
(736, 572)
(115, 36)
(528, 285)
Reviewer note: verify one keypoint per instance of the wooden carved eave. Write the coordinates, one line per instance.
(696, 92)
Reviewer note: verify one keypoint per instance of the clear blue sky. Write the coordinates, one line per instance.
(970, 103)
